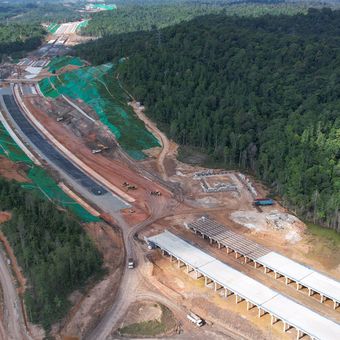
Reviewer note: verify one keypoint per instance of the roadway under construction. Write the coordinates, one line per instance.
(291, 313)
(292, 271)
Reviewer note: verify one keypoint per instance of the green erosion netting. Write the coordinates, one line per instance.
(42, 182)
(104, 7)
(60, 62)
(99, 89)
(48, 187)
(10, 149)
(52, 28)
(82, 25)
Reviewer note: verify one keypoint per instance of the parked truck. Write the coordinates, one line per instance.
(195, 319)
(263, 201)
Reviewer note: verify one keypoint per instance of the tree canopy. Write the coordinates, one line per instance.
(19, 38)
(255, 93)
(53, 250)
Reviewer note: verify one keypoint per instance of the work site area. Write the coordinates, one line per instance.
(189, 252)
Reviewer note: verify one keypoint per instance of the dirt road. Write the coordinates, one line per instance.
(162, 138)
(13, 321)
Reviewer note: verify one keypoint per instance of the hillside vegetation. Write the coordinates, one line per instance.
(54, 252)
(254, 93)
(19, 38)
(151, 16)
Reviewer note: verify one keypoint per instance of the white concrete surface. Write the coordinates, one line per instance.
(322, 284)
(284, 265)
(239, 283)
(303, 318)
(276, 304)
(303, 275)
(182, 250)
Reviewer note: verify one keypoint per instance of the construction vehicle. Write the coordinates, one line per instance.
(131, 211)
(125, 184)
(195, 319)
(59, 119)
(131, 187)
(151, 245)
(131, 263)
(101, 148)
(155, 193)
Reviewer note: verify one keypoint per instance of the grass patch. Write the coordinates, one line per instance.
(151, 327)
(329, 235)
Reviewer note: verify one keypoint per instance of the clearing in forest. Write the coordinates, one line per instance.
(98, 88)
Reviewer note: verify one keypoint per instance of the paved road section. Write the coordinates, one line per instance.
(49, 151)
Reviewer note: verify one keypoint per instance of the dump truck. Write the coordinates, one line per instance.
(195, 319)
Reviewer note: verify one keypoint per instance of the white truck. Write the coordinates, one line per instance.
(195, 319)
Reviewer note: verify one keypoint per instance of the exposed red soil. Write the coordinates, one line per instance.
(112, 170)
(12, 171)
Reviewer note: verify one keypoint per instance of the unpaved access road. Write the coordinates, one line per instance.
(162, 138)
(13, 320)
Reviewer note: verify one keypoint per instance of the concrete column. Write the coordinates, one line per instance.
(322, 299)
(215, 286)
(219, 245)
(171, 258)
(163, 252)
(273, 319)
(178, 264)
(228, 250)
(285, 326)
(255, 264)
(335, 304)
(210, 240)
(260, 312)
(310, 292)
(299, 334)
(287, 280)
(226, 293)
(275, 273)
(187, 269)
(236, 299)
(245, 259)
(249, 305)
(265, 270)
(298, 286)
(236, 255)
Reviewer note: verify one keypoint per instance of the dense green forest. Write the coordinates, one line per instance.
(130, 18)
(254, 93)
(54, 252)
(30, 12)
(19, 38)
